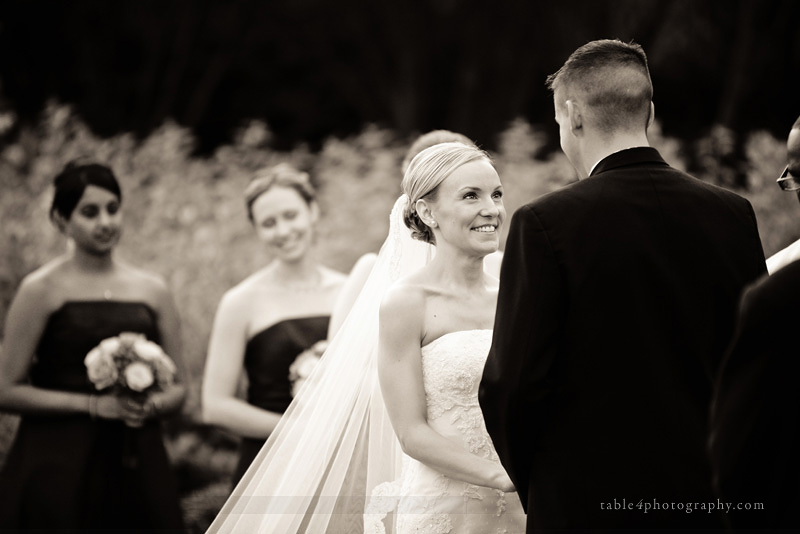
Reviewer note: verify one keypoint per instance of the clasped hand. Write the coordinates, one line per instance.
(131, 410)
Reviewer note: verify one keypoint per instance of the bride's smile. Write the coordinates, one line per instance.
(467, 212)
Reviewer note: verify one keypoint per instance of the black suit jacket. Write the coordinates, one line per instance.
(617, 300)
(755, 421)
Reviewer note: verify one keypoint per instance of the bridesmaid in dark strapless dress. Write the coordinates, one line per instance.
(86, 459)
(87, 472)
(267, 320)
(266, 361)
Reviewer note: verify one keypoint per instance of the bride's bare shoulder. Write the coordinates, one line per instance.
(406, 297)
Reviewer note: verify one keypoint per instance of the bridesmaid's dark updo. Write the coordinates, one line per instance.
(71, 182)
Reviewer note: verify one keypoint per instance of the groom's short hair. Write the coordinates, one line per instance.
(612, 79)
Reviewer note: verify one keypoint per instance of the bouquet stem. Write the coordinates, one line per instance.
(130, 450)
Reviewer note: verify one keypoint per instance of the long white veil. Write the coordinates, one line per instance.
(335, 444)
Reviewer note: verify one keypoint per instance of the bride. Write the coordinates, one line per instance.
(406, 452)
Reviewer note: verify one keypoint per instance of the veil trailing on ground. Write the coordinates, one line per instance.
(333, 456)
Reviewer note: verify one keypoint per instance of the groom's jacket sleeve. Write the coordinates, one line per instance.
(516, 379)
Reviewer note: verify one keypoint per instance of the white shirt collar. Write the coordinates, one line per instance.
(595, 164)
(784, 257)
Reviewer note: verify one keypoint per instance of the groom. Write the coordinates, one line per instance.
(617, 300)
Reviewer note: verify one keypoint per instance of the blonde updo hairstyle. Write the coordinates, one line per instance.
(283, 175)
(426, 171)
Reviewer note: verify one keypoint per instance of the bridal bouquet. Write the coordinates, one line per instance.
(305, 362)
(131, 364)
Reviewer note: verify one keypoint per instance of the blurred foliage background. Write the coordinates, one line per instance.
(316, 68)
(184, 99)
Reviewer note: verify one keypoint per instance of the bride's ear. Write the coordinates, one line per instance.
(425, 213)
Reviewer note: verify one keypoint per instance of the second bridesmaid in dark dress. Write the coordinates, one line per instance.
(267, 320)
(84, 459)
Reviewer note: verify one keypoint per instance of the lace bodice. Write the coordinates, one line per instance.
(430, 502)
(452, 366)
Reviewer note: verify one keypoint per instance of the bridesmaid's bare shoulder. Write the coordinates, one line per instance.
(145, 285)
(44, 289)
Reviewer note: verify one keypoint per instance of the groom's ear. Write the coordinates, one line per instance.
(575, 115)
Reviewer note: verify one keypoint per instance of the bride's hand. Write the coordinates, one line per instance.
(503, 482)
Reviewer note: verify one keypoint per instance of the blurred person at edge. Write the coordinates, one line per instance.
(755, 417)
(84, 459)
(792, 252)
(617, 300)
(363, 266)
(263, 323)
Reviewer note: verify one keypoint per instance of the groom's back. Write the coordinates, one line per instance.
(653, 262)
(654, 240)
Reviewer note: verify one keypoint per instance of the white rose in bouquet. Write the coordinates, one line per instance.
(130, 362)
(147, 350)
(110, 345)
(101, 368)
(304, 365)
(138, 376)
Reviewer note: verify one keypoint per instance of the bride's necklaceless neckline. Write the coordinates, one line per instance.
(447, 334)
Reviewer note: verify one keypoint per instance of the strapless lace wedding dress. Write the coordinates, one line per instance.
(424, 500)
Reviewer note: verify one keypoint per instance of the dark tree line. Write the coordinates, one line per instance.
(314, 68)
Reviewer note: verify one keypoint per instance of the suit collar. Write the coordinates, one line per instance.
(629, 156)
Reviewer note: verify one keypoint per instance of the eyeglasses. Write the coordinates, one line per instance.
(788, 181)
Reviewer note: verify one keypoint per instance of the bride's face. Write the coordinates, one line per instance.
(469, 209)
